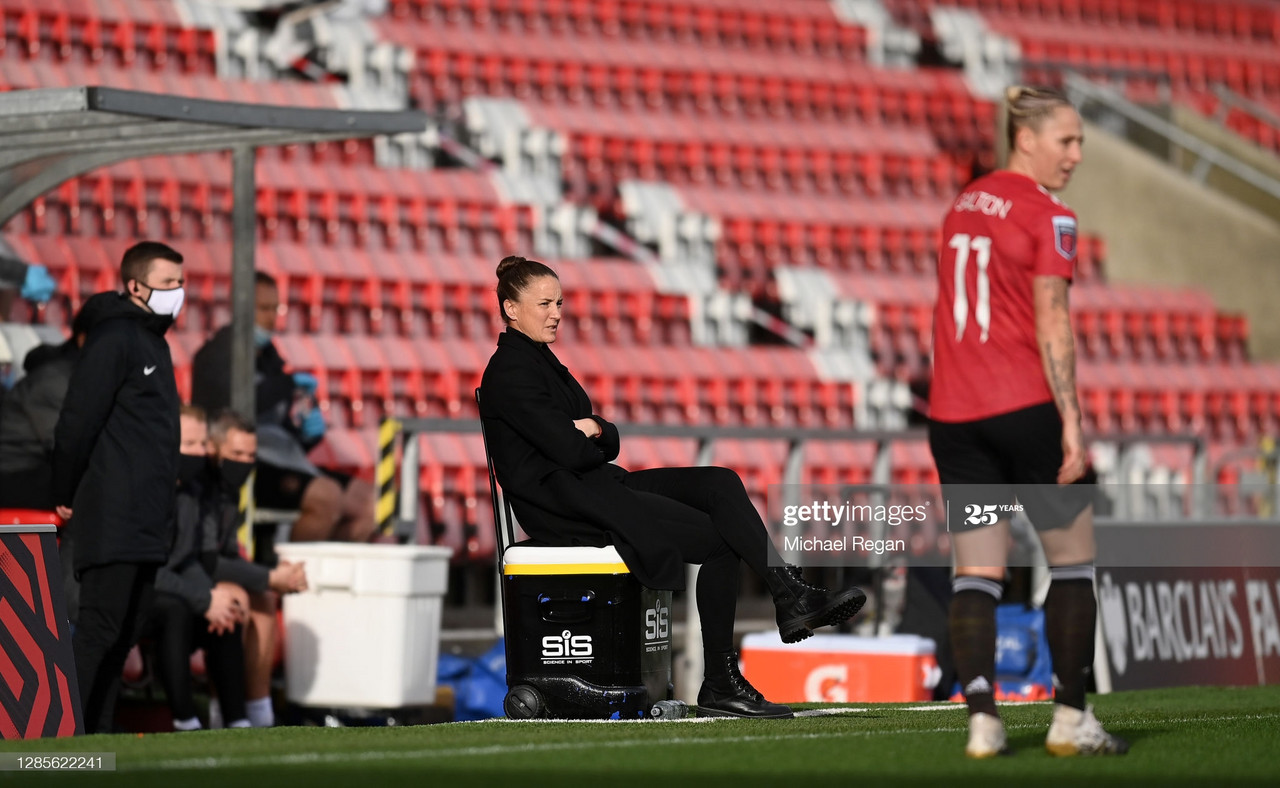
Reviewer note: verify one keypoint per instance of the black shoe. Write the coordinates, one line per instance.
(803, 608)
(725, 693)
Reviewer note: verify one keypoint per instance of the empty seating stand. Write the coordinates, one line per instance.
(18, 73)
(684, 77)
(1257, 121)
(1186, 60)
(1153, 49)
(1244, 20)
(808, 27)
(1227, 401)
(764, 153)
(348, 205)
(760, 232)
(126, 34)
(377, 291)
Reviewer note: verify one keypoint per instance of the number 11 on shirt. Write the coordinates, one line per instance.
(981, 246)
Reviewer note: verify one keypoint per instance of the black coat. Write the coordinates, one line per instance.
(211, 380)
(185, 574)
(550, 470)
(28, 418)
(204, 550)
(115, 456)
(30, 411)
(13, 271)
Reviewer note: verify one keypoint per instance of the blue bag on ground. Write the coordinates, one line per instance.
(479, 683)
(1023, 667)
(1024, 670)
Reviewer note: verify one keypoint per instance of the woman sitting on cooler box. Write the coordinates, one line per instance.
(553, 456)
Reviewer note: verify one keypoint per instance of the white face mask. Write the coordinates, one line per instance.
(167, 302)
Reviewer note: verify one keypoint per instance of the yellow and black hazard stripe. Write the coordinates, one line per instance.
(1269, 464)
(385, 474)
(244, 533)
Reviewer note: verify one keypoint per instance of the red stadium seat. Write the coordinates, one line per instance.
(760, 153)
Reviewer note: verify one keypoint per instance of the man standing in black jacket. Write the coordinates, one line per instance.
(115, 466)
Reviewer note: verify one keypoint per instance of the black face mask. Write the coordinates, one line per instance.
(190, 468)
(233, 475)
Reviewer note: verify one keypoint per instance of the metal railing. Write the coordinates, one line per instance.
(796, 438)
(689, 665)
(1232, 100)
(705, 437)
(1083, 93)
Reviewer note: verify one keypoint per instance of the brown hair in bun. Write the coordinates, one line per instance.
(515, 274)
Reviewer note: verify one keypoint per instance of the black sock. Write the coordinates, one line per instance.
(1070, 612)
(972, 626)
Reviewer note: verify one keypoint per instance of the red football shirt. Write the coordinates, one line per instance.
(1001, 232)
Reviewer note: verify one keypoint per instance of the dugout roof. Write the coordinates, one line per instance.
(49, 135)
(52, 134)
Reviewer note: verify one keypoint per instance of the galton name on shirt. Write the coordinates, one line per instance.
(984, 202)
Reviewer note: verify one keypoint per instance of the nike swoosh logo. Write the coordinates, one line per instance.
(148, 370)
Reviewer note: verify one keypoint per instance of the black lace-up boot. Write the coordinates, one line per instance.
(803, 608)
(725, 693)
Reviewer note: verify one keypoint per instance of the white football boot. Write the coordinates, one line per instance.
(986, 736)
(1076, 732)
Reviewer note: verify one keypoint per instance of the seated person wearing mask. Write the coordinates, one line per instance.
(233, 445)
(190, 609)
(332, 506)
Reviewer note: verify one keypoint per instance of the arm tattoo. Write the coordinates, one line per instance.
(1058, 347)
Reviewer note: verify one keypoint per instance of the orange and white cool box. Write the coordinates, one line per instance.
(841, 668)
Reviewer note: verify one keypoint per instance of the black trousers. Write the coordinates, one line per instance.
(178, 631)
(705, 513)
(114, 600)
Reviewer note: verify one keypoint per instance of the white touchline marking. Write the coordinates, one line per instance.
(941, 707)
(637, 720)
(296, 759)
(642, 720)
(828, 712)
(948, 705)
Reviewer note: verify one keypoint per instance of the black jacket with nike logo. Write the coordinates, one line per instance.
(115, 456)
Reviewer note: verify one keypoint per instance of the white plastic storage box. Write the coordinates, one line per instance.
(366, 633)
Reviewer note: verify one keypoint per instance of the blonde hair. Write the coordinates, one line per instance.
(1028, 107)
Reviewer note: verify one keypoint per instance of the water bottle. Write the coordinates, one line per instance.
(669, 710)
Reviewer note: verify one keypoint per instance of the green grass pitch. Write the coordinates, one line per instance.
(1201, 736)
